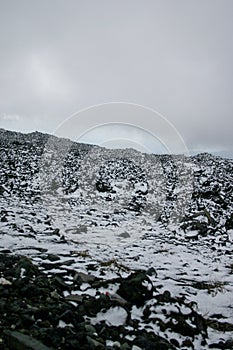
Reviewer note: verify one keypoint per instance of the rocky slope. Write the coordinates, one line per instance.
(158, 230)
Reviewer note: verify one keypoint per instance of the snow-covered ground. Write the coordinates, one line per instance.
(129, 211)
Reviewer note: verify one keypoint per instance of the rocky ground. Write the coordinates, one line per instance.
(55, 312)
(113, 249)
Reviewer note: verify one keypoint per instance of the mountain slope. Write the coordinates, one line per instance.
(192, 194)
(116, 211)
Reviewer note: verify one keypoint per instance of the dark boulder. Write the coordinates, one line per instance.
(136, 289)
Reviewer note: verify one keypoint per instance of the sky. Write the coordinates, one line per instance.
(59, 58)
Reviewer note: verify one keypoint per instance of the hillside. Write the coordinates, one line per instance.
(116, 215)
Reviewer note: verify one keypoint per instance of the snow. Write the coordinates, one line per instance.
(22, 273)
(230, 235)
(4, 281)
(63, 324)
(136, 313)
(115, 316)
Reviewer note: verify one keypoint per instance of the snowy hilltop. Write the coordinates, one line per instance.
(118, 215)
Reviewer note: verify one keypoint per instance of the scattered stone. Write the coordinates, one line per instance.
(134, 289)
(95, 343)
(16, 340)
(75, 298)
(90, 329)
(36, 307)
(83, 277)
(228, 344)
(124, 235)
(52, 257)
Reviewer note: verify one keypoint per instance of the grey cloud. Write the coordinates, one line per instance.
(172, 55)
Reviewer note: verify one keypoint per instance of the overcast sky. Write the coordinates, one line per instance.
(174, 56)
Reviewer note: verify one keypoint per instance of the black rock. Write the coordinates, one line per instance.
(150, 341)
(134, 288)
(20, 341)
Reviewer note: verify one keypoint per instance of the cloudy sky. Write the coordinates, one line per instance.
(58, 57)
